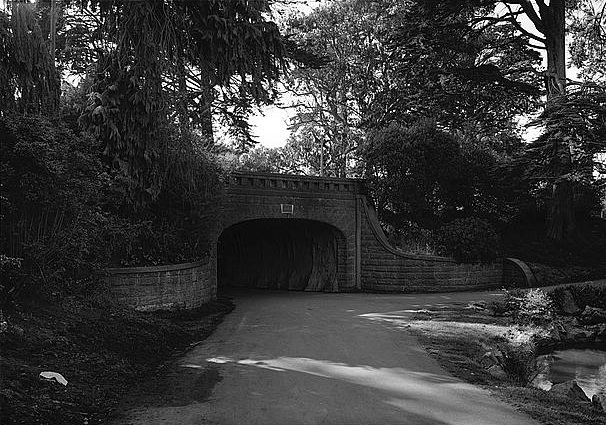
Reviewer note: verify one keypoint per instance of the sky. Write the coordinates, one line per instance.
(271, 126)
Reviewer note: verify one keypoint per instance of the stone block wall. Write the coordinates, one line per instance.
(177, 286)
(387, 269)
(332, 201)
(366, 260)
(517, 273)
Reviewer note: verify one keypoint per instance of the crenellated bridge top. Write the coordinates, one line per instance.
(293, 183)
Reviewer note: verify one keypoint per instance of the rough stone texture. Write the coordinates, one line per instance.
(330, 201)
(365, 260)
(593, 316)
(385, 268)
(517, 273)
(571, 390)
(568, 304)
(599, 401)
(180, 286)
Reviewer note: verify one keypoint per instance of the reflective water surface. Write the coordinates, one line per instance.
(586, 366)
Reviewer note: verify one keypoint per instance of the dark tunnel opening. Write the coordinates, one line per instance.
(291, 254)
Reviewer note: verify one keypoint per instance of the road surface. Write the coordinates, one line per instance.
(311, 358)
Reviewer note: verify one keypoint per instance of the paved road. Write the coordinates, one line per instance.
(310, 358)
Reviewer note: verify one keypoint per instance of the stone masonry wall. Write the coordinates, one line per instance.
(178, 286)
(330, 201)
(368, 262)
(387, 269)
(365, 259)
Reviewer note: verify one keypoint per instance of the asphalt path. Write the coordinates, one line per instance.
(311, 358)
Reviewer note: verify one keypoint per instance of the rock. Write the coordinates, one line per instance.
(600, 332)
(599, 401)
(476, 305)
(593, 315)
(568, 304)
(422, 315)
(577, 334)
(551, 336)
(497, 371)
(571, 390)
(488, 360)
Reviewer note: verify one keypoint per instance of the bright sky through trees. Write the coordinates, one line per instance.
(270, 126)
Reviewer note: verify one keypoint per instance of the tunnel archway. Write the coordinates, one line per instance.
(292, 254)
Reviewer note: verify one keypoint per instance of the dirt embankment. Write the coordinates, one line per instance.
(101, 350)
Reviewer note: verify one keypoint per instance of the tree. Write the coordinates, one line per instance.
(550, 23)
(29, 82)
(390, 61)
(419, 174)
(333, 99)
(158, 63)
(576, 120)
(260, 159)
(471, 80)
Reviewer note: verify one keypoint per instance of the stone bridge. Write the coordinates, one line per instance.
(301, 233)
(322, 234)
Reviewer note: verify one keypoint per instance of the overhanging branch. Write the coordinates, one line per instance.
(530, 12)
(519, 27)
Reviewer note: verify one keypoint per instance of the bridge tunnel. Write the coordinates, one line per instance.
(293, 254)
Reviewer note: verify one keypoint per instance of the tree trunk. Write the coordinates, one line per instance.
(53, 29)
(206, 102)
(561, 221)
(553, 17)
(183, 112)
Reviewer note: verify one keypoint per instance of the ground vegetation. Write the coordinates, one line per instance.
(496, 345)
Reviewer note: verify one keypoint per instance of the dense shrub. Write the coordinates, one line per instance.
(415, 173)
(583, 295)
(535, 307)
(412, 239)
(11, 281)
(66, 215)
(510, 304)
(469, 240)
(422, 174)
(53, 184)
(519, 361)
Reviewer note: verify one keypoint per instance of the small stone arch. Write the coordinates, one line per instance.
(282, 253)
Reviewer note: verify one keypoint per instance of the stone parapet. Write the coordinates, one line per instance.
(177, 286)
(387, 269)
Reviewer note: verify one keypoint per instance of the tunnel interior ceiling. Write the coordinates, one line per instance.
(279, 254)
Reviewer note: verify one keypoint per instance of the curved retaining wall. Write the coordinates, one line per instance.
(517, 273)
(176, 286)
(385, 268)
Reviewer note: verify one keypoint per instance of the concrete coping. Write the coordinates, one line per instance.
(525, 269)
(279, 176)
(154, 269)
(375, 226)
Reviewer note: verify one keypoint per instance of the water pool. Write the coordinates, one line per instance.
(586, 366)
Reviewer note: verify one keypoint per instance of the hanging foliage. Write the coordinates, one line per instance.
(29, 82)
(165, 63)
(562, 161)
